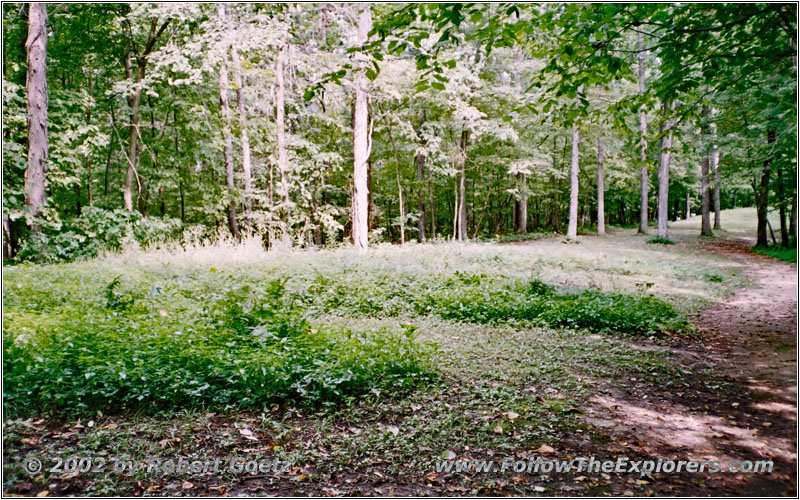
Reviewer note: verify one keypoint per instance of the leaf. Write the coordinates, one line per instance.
(248, 434)
(497, 429)
(393, 429)
(448, 454)
(545, 449)
(512, 415)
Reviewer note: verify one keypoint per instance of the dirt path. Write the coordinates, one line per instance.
(740, 402)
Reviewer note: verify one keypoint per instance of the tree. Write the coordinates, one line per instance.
(222, 13)
(135, 98)
(283, 157)
(572, 227)
(362, 138)
(644, 174)
(36, 45)
(663, 171)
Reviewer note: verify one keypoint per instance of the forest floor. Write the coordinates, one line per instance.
(504, 391)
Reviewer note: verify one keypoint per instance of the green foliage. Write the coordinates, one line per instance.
(779, 252)
(660, 240)
(94, 231)
(478, 299)
(246, 349)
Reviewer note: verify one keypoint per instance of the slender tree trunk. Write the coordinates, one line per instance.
(362, 141)
(283, 156)
(717, 176)
(36, 45)
(462, 188)
(688, 204)
(522, 207)
(663, 174)
(432, 205)
(399, 187)
(245, 136)
(762, 194)
(782, 210)
(419, 160)
(601, 189)
(572, 227)
(793, 217)
(133, 151)
(705, 199)
(89, 194)
(644, 175)
(222, 12)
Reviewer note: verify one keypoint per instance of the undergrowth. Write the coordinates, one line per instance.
(246, 349)
(779, 252)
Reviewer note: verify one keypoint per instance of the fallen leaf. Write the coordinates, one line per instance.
(248, 434)
(187, 485)
(538, 488)
(43, 493)
(497, 430)
(512, 415)
(545, 449)
(448, 454)
(109, 426)
(393, 429)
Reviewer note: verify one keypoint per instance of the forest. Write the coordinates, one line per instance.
(363, 238)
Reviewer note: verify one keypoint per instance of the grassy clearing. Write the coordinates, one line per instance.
(455, 324)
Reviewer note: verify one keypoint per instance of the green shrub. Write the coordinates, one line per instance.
(246, 349)
(660, 240)
(93, 232)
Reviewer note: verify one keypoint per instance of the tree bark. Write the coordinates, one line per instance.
(245, 136)
(222, 12)
(782, 210)
(663, 174)
(283, 155)
(644, 175)
(705, 199)
(688, 204)
(419, 160)
(601, 189)
(717, 177)
(399, 186)
(36, 86)
(462, 188)
(522, 207)
(572, 227)
(362, 140)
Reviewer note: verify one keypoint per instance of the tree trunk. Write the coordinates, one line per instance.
(399, 187)
(362, 141)
(762, 195)
(419, 160)
(226, 129)
(644, 175)
(793, 217)
(688, 204)
(601, 189)
(36, 45)
(782, 210)
(245, 136)
(462, 188)
(663, 174)
(572, 227)
(705, 199)
(283, 155)
(522, 207)
(432, 202)
(717, 176)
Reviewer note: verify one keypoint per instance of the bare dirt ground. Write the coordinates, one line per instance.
(744, 407)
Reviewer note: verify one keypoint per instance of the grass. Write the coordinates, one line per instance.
(473, 334)
(660, 240)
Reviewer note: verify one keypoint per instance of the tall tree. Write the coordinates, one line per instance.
(222, 13)
(717, 176)
(135, 98)
(36, 46)
(245, 136)
(462, 186)
(572, 225)
(644, 174)
(283, 156)
(362, 137)
(601, 188)
(663, 172)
